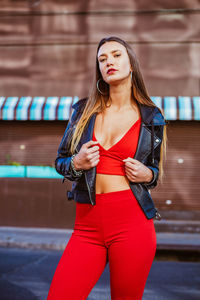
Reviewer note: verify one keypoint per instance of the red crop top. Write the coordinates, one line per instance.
(111, 160)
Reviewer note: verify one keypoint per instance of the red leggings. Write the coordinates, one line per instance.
(115, 230)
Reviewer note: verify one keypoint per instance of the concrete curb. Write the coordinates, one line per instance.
(34, 238)
(177, 226)
(178, 241)
(57, 239)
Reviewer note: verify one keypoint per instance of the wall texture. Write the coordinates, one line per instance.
(48, 48)
(43, 202)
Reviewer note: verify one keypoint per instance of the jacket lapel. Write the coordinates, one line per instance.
(87, 132)
(86, 137)
(144, 142)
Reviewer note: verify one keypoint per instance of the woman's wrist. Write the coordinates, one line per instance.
(76, 163)
(76, 171)
(150, 176)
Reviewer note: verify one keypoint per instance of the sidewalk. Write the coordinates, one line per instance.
(56, 239)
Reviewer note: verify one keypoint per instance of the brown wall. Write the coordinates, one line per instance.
(43, 202)
(47, 48)
(33, 202)
(40, 138)
(182, 177)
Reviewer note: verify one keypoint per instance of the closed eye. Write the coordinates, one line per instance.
(114, 55)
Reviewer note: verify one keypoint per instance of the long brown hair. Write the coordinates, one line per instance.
(97, 102)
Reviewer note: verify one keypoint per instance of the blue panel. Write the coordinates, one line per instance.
(50, 108)
(76, 98)
(12, 171)
(170, 108)
(36, 108)
(29, 171)
(2, 101)
(64, 108)
(9, 108)
(157, 100)
(42, 172)
(22, 108)
(185, 108)
(196, 101)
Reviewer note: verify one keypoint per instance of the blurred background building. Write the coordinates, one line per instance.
(47, 61)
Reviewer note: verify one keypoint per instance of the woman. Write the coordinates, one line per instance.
(111, 151)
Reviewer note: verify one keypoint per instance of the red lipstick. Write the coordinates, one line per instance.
(111, 70)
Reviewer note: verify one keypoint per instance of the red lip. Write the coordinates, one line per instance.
(109, 70)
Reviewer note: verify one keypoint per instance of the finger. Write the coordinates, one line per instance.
(131, 173)
(94, 161)
(131, 176)
(93, 149)
(92, 156)
(132, 160)
(129, 165)
(91, 143)
(132, 167)
(131, 170)
(128, 159)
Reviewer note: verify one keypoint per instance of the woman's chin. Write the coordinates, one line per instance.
(115, 81)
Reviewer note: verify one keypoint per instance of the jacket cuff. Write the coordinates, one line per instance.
(63, 167)
(71, 171)
(153, 182)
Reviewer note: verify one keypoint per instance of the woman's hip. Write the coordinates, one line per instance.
(118, 207)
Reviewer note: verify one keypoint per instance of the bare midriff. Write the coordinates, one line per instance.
(106, 183)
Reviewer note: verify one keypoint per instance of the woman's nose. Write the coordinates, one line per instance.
(110, 60)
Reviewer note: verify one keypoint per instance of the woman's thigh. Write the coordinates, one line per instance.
(131, 241)
(82, 262)
(130, 261)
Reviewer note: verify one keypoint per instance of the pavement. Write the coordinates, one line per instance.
(27, 274)
(170, 236)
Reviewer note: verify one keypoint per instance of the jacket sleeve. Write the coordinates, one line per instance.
(63, 159)
(154, 166)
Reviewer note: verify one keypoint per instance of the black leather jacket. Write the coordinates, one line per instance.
(148, 152)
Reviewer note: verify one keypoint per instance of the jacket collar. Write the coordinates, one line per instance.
(148, 113)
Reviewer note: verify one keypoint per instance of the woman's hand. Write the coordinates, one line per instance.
(137, 171)
(87, 157)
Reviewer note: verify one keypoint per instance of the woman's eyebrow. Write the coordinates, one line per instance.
(111, 52)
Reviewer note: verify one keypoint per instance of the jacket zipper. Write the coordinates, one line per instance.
(158, 215)
(87, 184)
(88, 189)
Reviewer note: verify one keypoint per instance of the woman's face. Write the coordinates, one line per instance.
(113, 55)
